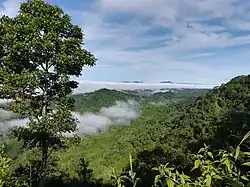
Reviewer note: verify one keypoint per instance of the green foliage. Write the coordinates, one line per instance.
(106, 151)
(93, 102)
(4, 168)
(219, 170)
(129, 179)
(6, 179)
(40, 50)
(219, 118)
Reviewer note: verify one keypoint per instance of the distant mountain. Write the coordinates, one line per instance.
(132, 82)
(94, 101)
(167, 82)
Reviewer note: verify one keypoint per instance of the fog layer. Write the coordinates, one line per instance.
(122, 113)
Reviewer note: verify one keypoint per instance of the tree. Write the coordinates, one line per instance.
(40, 50)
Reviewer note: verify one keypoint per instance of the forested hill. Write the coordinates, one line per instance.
(94, 101)
(220, 117)
(172, 126)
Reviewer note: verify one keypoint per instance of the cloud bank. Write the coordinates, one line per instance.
(122, 113)
(90, 86)
(7, 121)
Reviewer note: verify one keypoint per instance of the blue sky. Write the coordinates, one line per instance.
(201, 41)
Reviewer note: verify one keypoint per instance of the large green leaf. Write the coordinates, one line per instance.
(170, 183)
(245, 137)
(237, 152)
(196, 164)
(246, 153)
(246, 164)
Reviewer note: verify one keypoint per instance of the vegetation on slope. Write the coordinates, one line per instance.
(93, 102)
(170, 129)
(109, 150)
(220, 117)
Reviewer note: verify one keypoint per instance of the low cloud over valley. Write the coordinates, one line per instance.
(122, 113)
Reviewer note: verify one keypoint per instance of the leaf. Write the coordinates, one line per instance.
(157, 177)
(170, 183)
(217, 177)
(201, 150)
(208, 180)
(155, 169)
(244, 178)
(237, 184)
(245, 137)
(196, 164)
(182, 179)
(210, 154)
(246, 164)
(246, 153)
(131, 162)
(237, 153)
(227, 163)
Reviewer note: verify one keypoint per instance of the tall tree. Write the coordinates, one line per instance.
(40, 50)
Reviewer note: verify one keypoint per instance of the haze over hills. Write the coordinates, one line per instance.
(90, 86)
(170, 126)
(61, 127)
(99, 110)
(155, 125)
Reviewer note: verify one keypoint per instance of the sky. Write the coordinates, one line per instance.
(197, 41)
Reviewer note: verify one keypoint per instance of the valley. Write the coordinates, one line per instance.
(181, 118)
(140, 119)
(169, 122)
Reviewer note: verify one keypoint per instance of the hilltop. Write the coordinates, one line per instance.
(94, 101)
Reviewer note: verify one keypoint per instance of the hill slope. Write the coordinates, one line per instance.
(93, 102)
(220, 115)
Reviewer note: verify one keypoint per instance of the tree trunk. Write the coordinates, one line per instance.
(44, 165)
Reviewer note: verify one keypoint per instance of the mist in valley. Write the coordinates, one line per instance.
(121, 113)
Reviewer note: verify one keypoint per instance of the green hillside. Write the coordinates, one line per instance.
(110, 149)
(92, 102)
(172, 131)
(222, 113)
(172, 126)
(108, 138)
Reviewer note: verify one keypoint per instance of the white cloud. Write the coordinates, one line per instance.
(4, 101)
(122, 113)
(5, 115)
(239, 24)
(198, 55)
(7, 121)
(10, 7)
(90, 86)
(191, 26)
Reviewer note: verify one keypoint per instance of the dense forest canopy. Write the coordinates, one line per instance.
(171, 127)
(175, 137)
